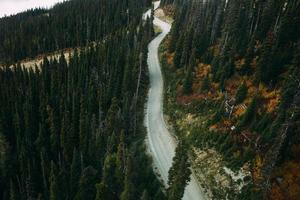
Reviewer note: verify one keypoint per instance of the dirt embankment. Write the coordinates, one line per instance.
(164, 15)
(37, 61)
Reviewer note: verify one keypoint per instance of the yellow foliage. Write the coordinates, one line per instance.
(239, 63)
(258, 162)
(227, 123)
(237, 154)
(215, 50)
(272, 104)
(202, 70)
(254, 62)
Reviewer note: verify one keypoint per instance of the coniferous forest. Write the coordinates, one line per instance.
(68, 24)
(232, 69)
(70, 128)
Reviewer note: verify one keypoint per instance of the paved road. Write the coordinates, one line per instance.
(161, 144)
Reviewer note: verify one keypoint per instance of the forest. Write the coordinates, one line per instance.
(235, 66)
(70, 128)
(69, 24)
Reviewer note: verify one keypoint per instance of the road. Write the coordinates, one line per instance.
(160, 142)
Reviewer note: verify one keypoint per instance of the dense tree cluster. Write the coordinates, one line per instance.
(69, 24)
(240, 29)
(68, 129)
(179, 173)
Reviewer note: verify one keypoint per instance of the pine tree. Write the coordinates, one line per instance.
(87, 184)
(241, 93)
(178, 52)
(83, 126)
(103, 192)
(250, 113)
(205, 86)
(12, 191)
(179, 173)
(264, 66)
(121, 152)
(112, 120)
(188, 80)
(129, 189)
(145, 195)
(54, 187)
(187, 43)
(54, 137)
(110, 171)
(75, 173)
(3, 152)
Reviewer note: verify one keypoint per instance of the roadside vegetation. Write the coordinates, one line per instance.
(232, 94)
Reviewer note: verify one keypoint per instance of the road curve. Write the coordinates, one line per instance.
(160, 142)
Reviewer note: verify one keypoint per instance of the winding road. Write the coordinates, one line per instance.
(161, 144)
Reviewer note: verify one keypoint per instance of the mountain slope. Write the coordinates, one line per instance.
(231, 70)
(69, 130)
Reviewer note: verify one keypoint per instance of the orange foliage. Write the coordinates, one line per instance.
(202, 70)
(256, 173)
(222, 126)
(276, 193)
(239, 63)
(286, 182)
(215, 50)
(213, 127)
(238, 111)
(232, 84)
(254, 62)
(227, 123)
(271, 98)
(170, 58)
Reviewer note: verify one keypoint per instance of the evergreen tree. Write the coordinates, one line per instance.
(54, 187)
(188, 80)
(63, 98)
(145, 195)
(264, 67)
(205, 86)
(75, 173)
(110, 171)
(87, 184)
(12, 192)
(179, 173)
(250, 113)
(129, 189)
(178, 52)
(241, 93)
(103, 192)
